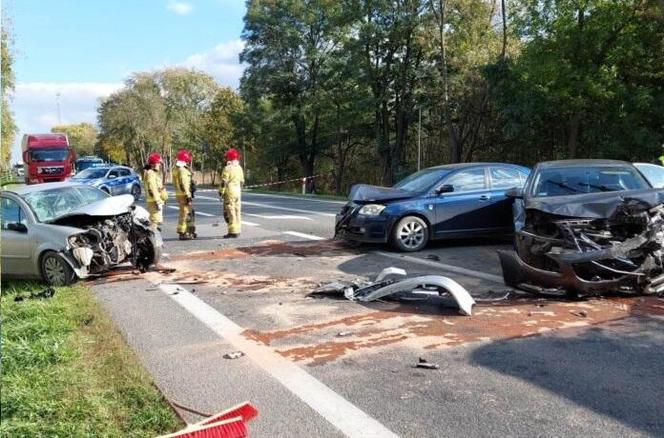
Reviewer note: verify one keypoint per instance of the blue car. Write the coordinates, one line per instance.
(456, 200)
(114, 180)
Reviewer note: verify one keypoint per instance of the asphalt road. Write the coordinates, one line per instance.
(325, 366)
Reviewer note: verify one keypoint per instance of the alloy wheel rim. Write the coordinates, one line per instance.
(55, 272)
(411, 234)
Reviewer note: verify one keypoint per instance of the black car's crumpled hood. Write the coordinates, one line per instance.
(363, 193)
(593, 205)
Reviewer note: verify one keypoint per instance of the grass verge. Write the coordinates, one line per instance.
(66, 371)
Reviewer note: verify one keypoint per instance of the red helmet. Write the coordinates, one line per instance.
(154, 158)
(232, 155)
(184, 155)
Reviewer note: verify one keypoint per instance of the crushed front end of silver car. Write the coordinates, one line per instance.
(593, 244)
(111, 240)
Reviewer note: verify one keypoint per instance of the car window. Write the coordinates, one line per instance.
(113, 173)
(654, 174)
(91, 173)
(580, 180)
(422, 180)
(124, 172)
(54, 203)
(505, 178)
(467, 180)
(11, 213)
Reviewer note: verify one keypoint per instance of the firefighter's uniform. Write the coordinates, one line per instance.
(230, 191)
(182, 184)
(153, 189)
(661, 160)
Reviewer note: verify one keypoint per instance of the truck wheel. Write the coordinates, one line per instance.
(410, 234)
(55, 271)
(136, 192)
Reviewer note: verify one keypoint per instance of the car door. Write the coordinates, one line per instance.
(113, 181)
(465, 208)
(17, 244)
(125, 181)
(501, 179)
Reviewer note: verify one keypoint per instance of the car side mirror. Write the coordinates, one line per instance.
(18, 227)
(445, 188)
(514, 193)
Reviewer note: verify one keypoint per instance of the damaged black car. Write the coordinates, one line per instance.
(586, 227)
(61, 232)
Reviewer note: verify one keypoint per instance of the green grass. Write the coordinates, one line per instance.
(66, 371)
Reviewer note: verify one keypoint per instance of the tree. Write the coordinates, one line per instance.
(82, 136)
(220, 127)
(8, 128)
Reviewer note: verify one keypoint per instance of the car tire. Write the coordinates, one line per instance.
(55, 270)
(410, 234)
(136, 192)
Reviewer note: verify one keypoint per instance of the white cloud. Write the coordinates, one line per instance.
(35, 106)
(180, 8)
(222, 62)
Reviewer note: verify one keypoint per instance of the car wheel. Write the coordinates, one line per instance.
(55, 270)
(136, 192)
(410, 234)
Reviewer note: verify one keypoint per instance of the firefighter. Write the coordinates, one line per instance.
(154, 189)
(660, 160)
(183, 193)
(230, 191)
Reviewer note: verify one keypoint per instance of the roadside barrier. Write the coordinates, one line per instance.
(8, 177)
(302, 180)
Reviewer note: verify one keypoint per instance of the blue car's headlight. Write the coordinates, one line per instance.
(371, 210)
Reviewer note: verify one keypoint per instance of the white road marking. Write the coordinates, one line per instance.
(250, 224)
(445, 267)
(208, 198)
(338, 411)
(200, 213)
(303, 198)
(304, 236)
(296, 210)
(278, 216)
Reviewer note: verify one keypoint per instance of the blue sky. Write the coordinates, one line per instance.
(85, 49)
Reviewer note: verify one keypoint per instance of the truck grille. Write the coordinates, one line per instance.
(50, 170)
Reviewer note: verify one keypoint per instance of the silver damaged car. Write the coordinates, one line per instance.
(61, 232)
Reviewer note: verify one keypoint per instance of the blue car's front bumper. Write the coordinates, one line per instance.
(369, 229)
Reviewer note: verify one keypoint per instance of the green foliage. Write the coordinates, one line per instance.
(8, 127)
(67, 372)
(82, 136)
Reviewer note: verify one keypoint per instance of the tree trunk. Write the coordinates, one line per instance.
(572, 139)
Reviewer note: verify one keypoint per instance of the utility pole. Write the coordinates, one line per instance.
(419, 139)
(57, 105)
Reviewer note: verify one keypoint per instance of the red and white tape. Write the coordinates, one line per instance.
(302, 180)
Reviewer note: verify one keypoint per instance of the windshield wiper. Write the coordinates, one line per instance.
(601, 188)
(562, 185)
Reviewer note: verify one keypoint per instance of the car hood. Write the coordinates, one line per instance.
(86, 180)
(111, 206)
(363, 193)
(593, 205)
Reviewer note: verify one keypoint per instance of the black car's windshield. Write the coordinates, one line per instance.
(91, 173)
(579, 180)
(49, 154)
(422, 180)
(51, 204)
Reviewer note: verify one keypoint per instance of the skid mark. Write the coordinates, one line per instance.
(490, 322)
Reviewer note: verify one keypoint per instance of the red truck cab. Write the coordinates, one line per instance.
(47, 157)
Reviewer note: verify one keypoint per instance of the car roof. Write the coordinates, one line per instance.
(581, 163)
(24, 189)
(456, 166)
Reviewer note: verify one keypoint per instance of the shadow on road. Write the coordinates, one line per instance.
(615, 371)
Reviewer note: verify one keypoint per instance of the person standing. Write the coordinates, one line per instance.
(182, 183)
(154, 189)
(230, 191)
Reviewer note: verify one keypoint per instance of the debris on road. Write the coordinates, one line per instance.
(343, 334)
(579, 313)
(423, 363)
(388, 283)
(233, 355)
(433, 257)
(605, 242)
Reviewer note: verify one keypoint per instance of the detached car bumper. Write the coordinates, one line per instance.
(368, 229)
